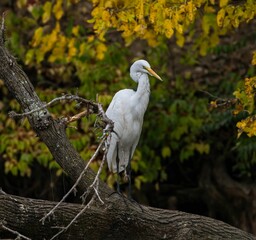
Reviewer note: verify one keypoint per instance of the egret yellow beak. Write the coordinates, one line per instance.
(153, 73)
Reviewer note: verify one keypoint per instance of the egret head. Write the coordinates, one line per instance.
(139, 67)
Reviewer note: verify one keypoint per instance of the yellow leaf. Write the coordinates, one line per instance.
(39, 56)
(202, 148)
(152, 15)
(47, 12)
(209, 9)
(214, 39)
(235, 23)
(57, 10)
(137, 28)
(191, 10)
(21, 3)
(223, 3)
(29, 56)
(206, 24)
(71, 49)
(168, 28)
(37, 38)
(167, 24)
(106, 16)
(109, 4)
(169, 32)
(141, 10)
(100, 49)
(179, 28)
(151, 38)
(90, 38)
(220, 17)
(166, 152)
(75, 30)
(180, 40)
(82, 49)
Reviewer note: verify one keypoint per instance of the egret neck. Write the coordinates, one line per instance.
(143, 92)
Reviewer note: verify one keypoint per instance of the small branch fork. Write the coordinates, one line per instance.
(79, 179)
(92, 107)
(93, 186)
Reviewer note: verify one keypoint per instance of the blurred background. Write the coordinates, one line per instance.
(193, 155)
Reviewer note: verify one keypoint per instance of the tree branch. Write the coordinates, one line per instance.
(113, 220)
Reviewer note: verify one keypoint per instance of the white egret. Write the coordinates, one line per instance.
(127, 110)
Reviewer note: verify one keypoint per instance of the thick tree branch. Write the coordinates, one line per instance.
(115, 220)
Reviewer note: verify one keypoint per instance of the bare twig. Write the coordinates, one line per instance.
(75, 218)
(66, 97)
(19, 235)
(95, 183)
(208, 93)
(78, 116)
(77, 181)
(95, 108)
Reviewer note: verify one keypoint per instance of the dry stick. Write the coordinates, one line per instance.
(58, 99)
(77, 116)
(77, 181)
(95, 182)
(96, 179)
(69, 97)
(19, 235)
(74, 219)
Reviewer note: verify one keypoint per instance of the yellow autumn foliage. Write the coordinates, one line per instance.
(144, 19)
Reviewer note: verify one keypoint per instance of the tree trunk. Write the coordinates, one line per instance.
(117, 218)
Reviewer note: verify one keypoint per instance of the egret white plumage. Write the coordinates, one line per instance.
(127, 110)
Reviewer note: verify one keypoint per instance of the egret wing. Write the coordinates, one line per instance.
(118, 112)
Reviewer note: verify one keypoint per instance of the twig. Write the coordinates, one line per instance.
(75, 218)
(66, 97)
(95, 183)
(76, 183)
(77, 116)
(94, 186)
(19, 235)
(96, 108)
(211, 95)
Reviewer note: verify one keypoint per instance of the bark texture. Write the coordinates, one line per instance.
(114, 220)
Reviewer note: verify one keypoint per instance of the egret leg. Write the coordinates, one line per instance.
(129, 169)
(117, 168)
